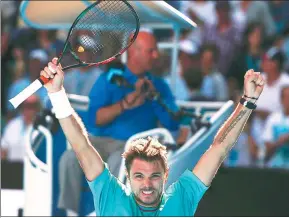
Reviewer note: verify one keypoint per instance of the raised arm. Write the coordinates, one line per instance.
(71, 124)
(228, 134)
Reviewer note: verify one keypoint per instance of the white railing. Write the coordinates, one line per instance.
(38, 177)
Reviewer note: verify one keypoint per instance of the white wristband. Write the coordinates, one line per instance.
(60, 103)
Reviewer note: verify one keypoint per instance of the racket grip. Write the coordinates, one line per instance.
(43, 80)
(25, 93)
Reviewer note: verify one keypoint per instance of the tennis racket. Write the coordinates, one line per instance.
(101, 33)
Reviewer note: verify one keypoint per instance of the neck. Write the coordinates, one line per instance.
(254, 49)
(134, 68)
(207, 70)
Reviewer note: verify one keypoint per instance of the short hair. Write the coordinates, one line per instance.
(193, 77)
(275, 54)
(148, 149)
(250, 28)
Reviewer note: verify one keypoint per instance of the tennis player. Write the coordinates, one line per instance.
(146, 161)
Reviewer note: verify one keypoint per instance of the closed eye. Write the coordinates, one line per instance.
(138, 176)
(155, 176)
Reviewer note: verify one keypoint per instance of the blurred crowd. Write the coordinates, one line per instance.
(232, 37)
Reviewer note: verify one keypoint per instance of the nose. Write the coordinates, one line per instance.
(147, 183)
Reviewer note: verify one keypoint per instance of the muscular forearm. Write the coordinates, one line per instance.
(232, 128)
(228, 134)
(77, 136)
(210, 162)
(107, 114)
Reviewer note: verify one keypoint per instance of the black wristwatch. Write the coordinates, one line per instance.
(248, 104)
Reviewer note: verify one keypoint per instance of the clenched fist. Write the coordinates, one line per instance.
(55, 74)
(253, 84)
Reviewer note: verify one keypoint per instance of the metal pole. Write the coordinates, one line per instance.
(175, 55)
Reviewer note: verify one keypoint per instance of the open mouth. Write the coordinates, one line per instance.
(147, 192)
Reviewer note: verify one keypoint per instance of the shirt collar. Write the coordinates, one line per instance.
(131, 77)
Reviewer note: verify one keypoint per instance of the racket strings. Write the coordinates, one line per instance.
(113, 36)
(97, 12)
(107, 25)
(112, 17)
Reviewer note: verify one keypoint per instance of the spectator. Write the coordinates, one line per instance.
(188, 57)
(276, 134)
(249, 56)
(79, 81)
(198, 11)
(13, 142)
(275, 78)
(37, 60)
(6, 78)
(255, 12)
(117, 113)
(194, 78)
(214, 85)
(285, 47)
(8, 14)
(269, 101)
(162, 67)
(19, 62)
(47, 40)
(279, 11)
(225, 34)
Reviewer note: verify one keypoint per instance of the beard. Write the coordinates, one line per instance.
(157, 194)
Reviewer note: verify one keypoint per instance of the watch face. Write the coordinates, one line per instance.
(245, 103)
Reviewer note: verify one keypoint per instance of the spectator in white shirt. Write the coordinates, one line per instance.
(14, 136)
(276, 134)
(188, 58)
(269, 101)
(272, 66)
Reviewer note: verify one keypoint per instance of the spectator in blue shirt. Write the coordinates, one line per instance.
(117, 113)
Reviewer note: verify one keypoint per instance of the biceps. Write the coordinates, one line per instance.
(91, 162)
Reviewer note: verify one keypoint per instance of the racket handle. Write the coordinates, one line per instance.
(43, 79)
(25, 93)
